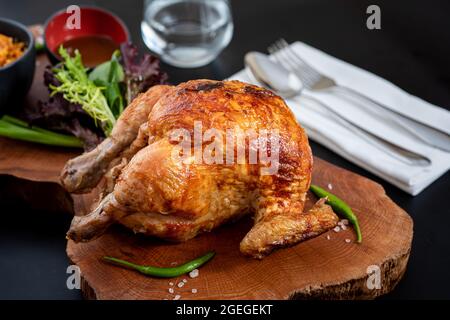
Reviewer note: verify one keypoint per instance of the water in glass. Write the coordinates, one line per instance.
(187, 33)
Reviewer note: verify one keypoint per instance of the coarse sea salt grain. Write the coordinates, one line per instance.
(171, 290)
(177, 297)
(343, 227)
(336, 229)
(344, 222)
(180, 284)
(170, 283)
(184, 280)
(194, 290)
(330, 186)
(194, 273)
(328, 237)
(348, 240)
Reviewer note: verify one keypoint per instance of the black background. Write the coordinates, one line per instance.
(412, 50)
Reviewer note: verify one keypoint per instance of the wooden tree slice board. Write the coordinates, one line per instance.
(318, 268)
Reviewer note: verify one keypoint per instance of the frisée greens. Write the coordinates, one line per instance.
(84, 104)
(76, 87)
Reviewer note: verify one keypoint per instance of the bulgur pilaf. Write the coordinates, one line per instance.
(10, 50)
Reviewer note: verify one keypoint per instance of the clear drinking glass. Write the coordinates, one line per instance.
(187, 33)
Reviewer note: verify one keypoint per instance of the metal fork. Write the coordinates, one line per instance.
(313, 80)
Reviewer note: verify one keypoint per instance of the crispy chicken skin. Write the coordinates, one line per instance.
(157, 194)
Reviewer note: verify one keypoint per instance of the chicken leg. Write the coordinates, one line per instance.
(83, 173)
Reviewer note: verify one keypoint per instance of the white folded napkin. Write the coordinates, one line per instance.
(324, 128)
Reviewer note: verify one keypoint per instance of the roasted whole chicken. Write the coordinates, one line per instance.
(151, 187)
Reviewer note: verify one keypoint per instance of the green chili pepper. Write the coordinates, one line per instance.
(340, 207)
(164, 272)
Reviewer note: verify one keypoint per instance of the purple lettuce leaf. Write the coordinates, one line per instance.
(141, 72)
(60, 115)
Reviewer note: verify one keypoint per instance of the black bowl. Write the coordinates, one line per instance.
(16, 77)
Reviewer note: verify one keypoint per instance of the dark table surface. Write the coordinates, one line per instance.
(412, 50)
